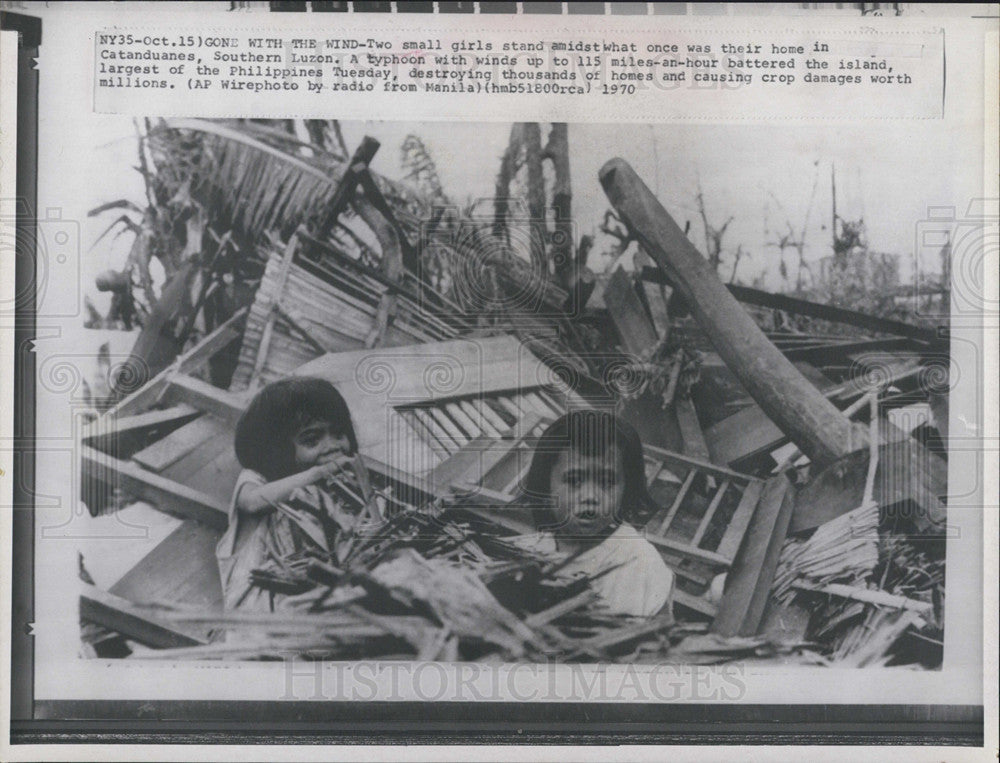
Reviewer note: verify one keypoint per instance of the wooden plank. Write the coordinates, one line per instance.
(136, 623)
(737, 527)
(185, 469)
(544, 409)
(217, 477)
(181, 569)
(831, 353)
(811, 421)
(177, 444)
(203, 396)
(123, 435)
(748, 585)
(831, 313)
(494, 404)
(482, 366)
(510, 405)
(662, 526)
(294, 323)
(636, 331)
(165, 494)
(558, 406)
(430, 423)
(691, 434)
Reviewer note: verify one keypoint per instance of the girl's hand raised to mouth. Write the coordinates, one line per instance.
(331, 466)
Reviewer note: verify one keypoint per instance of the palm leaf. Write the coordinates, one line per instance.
(259, 186)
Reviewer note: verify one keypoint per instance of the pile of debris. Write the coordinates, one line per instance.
(801, 503)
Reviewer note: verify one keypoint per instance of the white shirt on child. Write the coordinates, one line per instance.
(641, 583)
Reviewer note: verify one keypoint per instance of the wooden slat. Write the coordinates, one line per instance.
(502, 413)
(273, 296)
(709, 515)
(748, 585)
(165, 494)
(737, 526)
(705, 467)
(684, 549)
(508, 403)
(456, 434)
(134, 622)
(462, 419)
(558, 407)
(490, 417)
(177, 444)
(431, 424)
(483, 423)
(530, 402)
(663, 526)
(423, 431)
(544, 408)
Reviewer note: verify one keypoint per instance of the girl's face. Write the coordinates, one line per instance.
(318, 442)
(588, 494)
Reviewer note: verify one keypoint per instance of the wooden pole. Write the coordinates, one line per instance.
(800, 410)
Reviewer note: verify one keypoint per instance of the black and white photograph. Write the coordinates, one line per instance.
(389, 415)
(331, 408)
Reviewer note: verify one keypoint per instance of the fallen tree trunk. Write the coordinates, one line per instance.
(811, 421)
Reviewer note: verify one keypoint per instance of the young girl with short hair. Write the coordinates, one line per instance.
(295, 433)
(587, 482)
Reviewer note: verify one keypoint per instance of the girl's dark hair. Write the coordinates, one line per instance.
(265, 430)
(593, 434)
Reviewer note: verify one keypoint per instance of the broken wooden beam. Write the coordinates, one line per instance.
(172, 497)
(760, 298)
(785, 395)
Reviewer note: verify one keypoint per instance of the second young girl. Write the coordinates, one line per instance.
(587, 480)
(295, 433)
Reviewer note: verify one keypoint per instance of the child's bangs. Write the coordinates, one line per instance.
(594, 436)
(321, 402)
